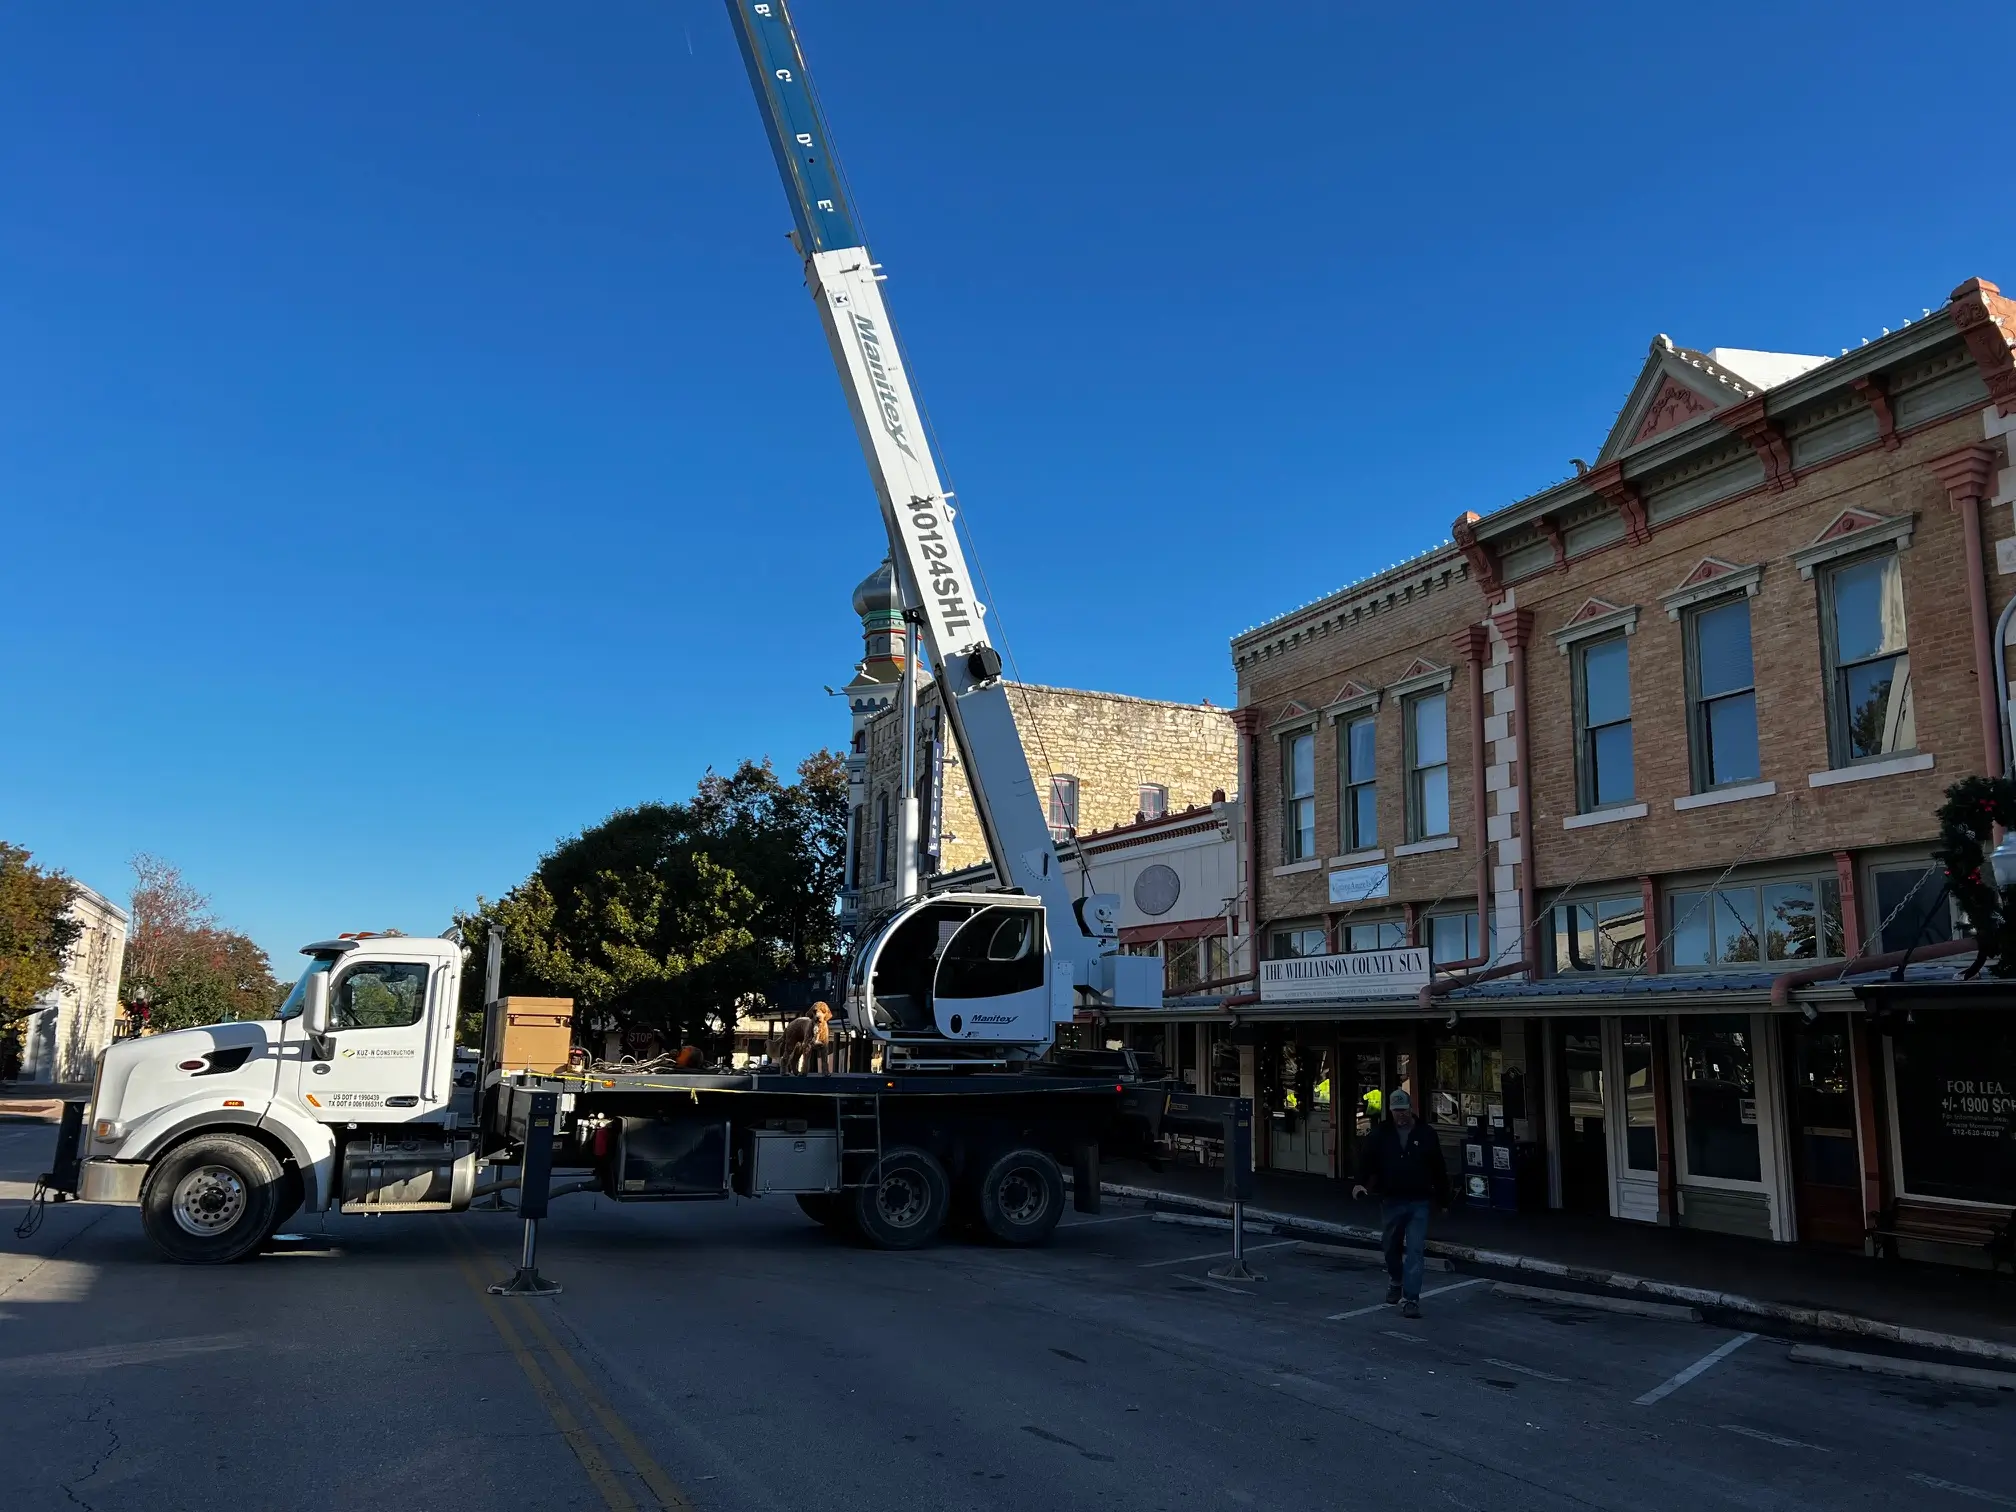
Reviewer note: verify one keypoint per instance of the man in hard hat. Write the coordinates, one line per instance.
(1402, 1162)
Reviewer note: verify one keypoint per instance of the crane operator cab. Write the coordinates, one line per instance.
(960, 970)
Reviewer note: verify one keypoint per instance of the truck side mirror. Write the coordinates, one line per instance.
(315, 1014)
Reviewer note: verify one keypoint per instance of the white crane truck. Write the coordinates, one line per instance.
(346, 1100)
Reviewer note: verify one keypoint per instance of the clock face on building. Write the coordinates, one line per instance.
(1156, 890)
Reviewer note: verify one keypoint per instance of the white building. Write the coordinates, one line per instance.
(61, 1039)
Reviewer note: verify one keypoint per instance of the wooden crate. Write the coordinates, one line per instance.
(538, 1033)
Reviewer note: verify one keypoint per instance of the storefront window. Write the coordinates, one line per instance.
(1955, 1083)
(1292, 940)
(1389, 934)
(1605, 934)
(1641, 1133)
(1719, 1098)
(1467, 1080)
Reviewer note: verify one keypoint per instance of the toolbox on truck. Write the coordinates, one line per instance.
(537, 1033)
(783, 1160)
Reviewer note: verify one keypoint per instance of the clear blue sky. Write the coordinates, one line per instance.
(415, 441)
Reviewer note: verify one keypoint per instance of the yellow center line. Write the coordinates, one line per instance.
(578, 1438)
(661, 1484)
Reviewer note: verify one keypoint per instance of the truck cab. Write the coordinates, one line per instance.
(345, 1098)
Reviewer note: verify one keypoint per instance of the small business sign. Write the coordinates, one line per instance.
(1359, 884)
(1357, 973)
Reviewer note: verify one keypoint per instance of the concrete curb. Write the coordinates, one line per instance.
(1194, 1220)
(1672, 1312)
(1785, 1314)
(1921, 1370)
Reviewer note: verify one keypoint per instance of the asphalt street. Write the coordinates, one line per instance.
(733, 1356)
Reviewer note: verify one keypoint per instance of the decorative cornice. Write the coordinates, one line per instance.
(1987, 322)
(1750, 422)
(1877, 397)
(1596, 618)
(1965, 474)
(1551, 529)
(1352, 698)
(1608, 480)
(1851, 531)
(1423, 676)
(1514, 627)
(1473, 644)
(1712, 578)
(1483, 564)
(1247, 719)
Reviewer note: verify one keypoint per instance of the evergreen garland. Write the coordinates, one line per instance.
(1967, 820)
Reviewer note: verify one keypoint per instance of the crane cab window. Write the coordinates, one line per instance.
(997, 951)
(380, 995)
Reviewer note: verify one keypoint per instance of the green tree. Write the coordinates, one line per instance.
(182, 967)
(662, 917)
(37, 930)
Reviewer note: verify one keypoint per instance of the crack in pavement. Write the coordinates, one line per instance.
(111, 1432)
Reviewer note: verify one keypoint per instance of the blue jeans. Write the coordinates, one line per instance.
(1405, 1222)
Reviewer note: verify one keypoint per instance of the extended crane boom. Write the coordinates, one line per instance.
(903, 991)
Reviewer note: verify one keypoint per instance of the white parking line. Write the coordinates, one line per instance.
(1218, 1285)
(1720, 1352)
(1995, 1497)
(1089, 1222)
(1528, 1370)
(1433, 1291)
(1214, 1255)
(1772, 1438)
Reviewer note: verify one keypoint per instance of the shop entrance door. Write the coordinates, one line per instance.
(1585, 1158)
(1826, 1158)
(1361, 1101)
(1300, 1104)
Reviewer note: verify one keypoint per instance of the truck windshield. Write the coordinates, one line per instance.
(292, 1007)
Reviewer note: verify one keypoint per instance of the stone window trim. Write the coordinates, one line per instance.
(1290, 868)
(1745, 579)
(1715, 796)
(1291, 724)
(1570, 636)
(1363, 703)
(1615, 813)
(1881, 766)
(1440, 680)
(1360, 858)
(1894, 533)
(1424, 847)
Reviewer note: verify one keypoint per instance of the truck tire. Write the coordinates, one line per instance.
(212, 1200)
(1021, 1197)
(832, 1211)
(904, 1205)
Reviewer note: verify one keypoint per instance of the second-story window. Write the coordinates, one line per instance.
(1063, 807)
(1387, 934)
(1427, 717)
(1771, 923)
(1154, 800)
(1358, 747)
(1298, 796)
(1291, 940)
(1722, 727)
(1869, 702)
(1602, 934)
(1603, 767)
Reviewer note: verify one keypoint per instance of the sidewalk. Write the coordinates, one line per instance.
(1946, 1308)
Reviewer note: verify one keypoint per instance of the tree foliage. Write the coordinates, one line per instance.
(662, 917)
(182, 968)
(37, 930)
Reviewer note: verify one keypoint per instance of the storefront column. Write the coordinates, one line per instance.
(1662, 1118)
(1550, 1107)
(1861, 1036)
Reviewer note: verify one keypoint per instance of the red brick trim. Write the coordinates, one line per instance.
(1987, 323)
(1551, 528)
(1878, 399)
(1473, 642)
(1483, 565)
(1516, 628)
(1608, 480)
(1181, 929)
(1965, 471)
(1247, 719)
(1851, 907)
(1648, 893)
(1750, 422)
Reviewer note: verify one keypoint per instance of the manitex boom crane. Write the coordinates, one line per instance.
(955, 977)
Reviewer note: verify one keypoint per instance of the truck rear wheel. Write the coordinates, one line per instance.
(1021, 1197)
(904, 1205)
(212, 1200)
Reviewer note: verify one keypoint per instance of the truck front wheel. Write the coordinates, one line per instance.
(1021, 1197)
(904, 1205)
(213, 1199)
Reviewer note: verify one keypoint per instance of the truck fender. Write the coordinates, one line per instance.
(170, 1125)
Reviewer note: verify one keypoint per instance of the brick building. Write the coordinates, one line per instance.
(1575, 825)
